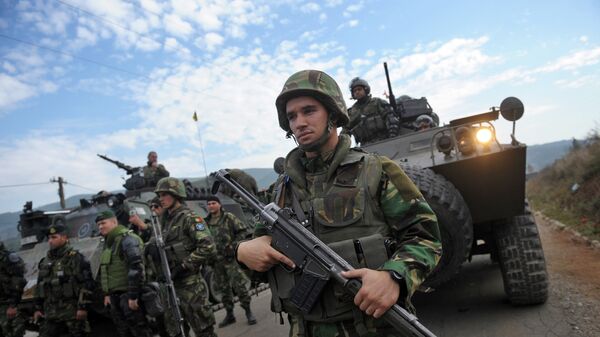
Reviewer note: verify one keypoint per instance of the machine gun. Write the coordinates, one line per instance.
(128, 169)
(166, 273)
(317, 262)
(136, 181)
(390, 92)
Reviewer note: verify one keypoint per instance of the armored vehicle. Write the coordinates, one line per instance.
(476, 186)
(84, 234)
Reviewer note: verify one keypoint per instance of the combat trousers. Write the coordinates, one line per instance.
(347, 328)
(60, 328)
(195, 306)
(129, 323)
(11, 327)
(228, 275)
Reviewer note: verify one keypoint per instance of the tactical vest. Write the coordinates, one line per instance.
(113, 267)
(57, 278)
(178, 245)
(371, 125)
(346, 215)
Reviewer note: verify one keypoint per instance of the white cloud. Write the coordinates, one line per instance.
(322, 17)
(310, 7)
(175, 25)
(352, 23)
(12, 91)
(576, 83)
(583, 39)
(575, 60)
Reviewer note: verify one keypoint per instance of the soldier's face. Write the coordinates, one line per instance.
(358, 92)
(152, 157)
(166, 200)
(106, 226)
(213, 207)
(307, 118)
(57, 240)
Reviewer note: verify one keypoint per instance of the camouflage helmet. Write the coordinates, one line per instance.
(424, 121)
(171, 185)
(316, 84)
(357, 81)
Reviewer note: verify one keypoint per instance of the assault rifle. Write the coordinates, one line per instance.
(166, 273)
(315, 259)
(130, 170)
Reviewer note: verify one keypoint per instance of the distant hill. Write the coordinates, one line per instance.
(540, 156)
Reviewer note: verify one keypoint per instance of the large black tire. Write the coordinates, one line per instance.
(454, 219)
(522, 260)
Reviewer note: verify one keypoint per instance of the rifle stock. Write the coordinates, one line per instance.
(315, 258)
(166, 271)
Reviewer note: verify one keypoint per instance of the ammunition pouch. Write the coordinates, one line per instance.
(176, 253)
(151, 300)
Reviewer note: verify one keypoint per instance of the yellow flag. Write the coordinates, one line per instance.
(195, 117)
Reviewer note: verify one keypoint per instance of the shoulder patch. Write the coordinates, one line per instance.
(200, 226)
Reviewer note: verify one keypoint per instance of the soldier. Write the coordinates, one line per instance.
(122, 276)
(348, 198)
(227, 231)
(12, 282)
(371, 118)
(154, 171)
(189, 246)
(64, 288)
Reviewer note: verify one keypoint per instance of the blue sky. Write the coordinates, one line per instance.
(124, 77)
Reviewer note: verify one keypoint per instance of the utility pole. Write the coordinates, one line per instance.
(61, 190)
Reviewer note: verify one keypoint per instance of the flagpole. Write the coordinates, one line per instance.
(195, 117)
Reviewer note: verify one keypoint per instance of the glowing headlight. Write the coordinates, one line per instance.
(484, 135)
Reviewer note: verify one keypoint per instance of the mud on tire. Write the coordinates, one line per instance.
(454, 219)
(522, 260)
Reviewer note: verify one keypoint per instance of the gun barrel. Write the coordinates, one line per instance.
(389, 84)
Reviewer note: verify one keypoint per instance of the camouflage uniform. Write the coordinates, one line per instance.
(189, 245)
(122, 277)
(348, 195)
(153, 174)
(12, 283)
(227, 231)
(372, 119)
(64, 285)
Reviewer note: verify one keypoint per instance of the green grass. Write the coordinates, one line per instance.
(551, 190)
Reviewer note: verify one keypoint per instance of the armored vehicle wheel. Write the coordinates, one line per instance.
(522, 260)
(454, 220)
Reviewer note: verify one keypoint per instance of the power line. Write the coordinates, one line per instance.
(85, 188)
(26, 184)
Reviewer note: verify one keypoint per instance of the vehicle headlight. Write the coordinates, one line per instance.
(464, 140)
(484, 135)
(445, 144)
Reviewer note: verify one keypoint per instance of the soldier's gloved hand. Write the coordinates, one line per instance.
(11, 312)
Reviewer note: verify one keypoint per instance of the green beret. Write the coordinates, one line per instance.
(105, 215)
(58, 228)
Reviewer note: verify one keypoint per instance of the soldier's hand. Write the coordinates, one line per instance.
(378, 292)
(257, 254)
(81, 315)
(133, 304)
(37, 315)
(106, 301)
(11, 312)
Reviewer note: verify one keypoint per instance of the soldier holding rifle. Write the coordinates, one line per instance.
(363, 206)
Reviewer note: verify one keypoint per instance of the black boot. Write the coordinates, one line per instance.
(250, 316)
(229, 319)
